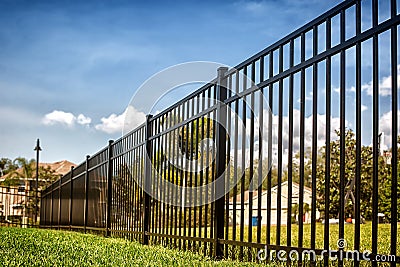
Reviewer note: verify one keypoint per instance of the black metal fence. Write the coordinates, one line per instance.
(315, 149)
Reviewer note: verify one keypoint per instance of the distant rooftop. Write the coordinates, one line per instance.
(59, 167)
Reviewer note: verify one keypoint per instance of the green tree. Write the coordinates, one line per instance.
(366, 171)
(27, 168)
(385, 187)
(21, 168)
(7, 166)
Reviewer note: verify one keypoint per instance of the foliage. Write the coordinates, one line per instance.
(385, 188)
(191, 136)
(366, 171)
(7, 166)
(20, 167)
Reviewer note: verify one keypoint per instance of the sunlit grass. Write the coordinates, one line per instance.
(349, 230)
(38, 247)
(349, 234)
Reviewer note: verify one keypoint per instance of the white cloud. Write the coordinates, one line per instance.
(59, 117)
(363, 108)
(385, 126)
(128, 120)
(83, 120)
(308, 135)
(307, 98)
(385, 85)
(337, 90)
(351, 89)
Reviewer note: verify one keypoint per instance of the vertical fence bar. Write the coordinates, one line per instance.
(375, 131)
(213, 171)
(251, 172)
(260, 154)
(279, 167)
(71, 196)
(147, 181)
(59, 204)
(51, 207)
(342, 131)
(229, 168)
(175, 151)
(358, 136)
(186, 177)
(394, 186)
(42, 207)
(314, 140)
(327, 139)
(191, 175)
(235, 157)
(181, 211)
(243, 164)
(85, 209)
(221, 162)
(269, 178)
(109, 186)
(302, 143)
(290, 149)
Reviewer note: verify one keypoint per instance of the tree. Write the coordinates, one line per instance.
(26, 168)
(21, 168)
(385, 188)
(7, 166)
(366, 171)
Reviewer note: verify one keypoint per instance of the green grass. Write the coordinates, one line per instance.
(349, 229)
(38, 247)
(365, 236)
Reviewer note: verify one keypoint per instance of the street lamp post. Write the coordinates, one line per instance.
(37, 149)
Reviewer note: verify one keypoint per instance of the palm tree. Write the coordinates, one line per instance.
(26, 169)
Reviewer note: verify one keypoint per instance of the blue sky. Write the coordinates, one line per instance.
(69, 68)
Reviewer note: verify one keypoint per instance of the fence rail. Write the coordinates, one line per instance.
(302, 132)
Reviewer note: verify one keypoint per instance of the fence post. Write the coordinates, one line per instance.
(109, 187)
(147, 181)
(42, 210)
(71, 195)
(85, 212)
(51, 206)
(59, 203)
(220, 138)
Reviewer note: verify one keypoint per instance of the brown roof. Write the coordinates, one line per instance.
(59, 167)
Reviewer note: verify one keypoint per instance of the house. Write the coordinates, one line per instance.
(12, 202)
(274, 205)
(16, 201)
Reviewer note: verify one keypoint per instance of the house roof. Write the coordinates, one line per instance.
(295, 186)
(245, 198)
(60, 168)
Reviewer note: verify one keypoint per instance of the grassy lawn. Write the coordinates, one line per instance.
(365, 236)
(349, 229)
(38, 247)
